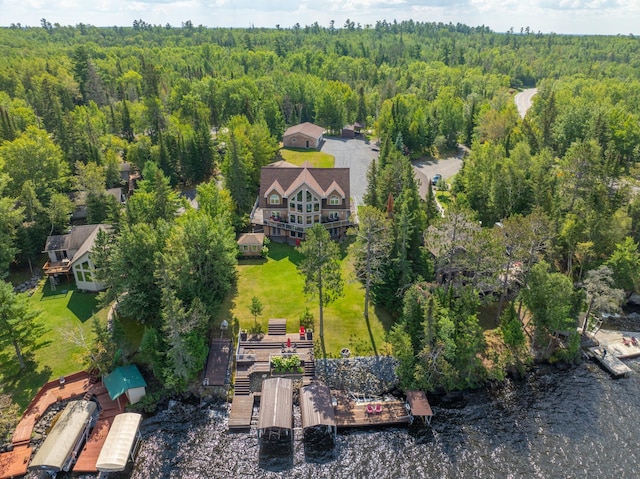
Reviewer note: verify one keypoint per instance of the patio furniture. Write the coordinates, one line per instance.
(303, 333)
(370, 409)
(378, 408)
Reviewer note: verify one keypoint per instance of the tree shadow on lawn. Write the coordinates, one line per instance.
(23, 385)
(280, 251)
(82, 305)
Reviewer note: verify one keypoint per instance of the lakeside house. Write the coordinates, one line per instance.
(293, 199)
(304, 135)
(71, 253)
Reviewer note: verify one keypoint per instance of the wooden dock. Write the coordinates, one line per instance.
(610, 362)
(349, 413)
(75, 386)
(241, 412)
(218, 362)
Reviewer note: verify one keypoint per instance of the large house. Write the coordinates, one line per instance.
(72, 253)
(304, 135)
(294, 198)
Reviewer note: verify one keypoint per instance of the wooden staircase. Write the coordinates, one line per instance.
(277, 327)
(242, 386)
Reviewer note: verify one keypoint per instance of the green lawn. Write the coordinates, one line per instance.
(298, 156)
(276, 282)
(64, 311)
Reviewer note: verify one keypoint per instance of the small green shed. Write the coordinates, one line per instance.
(126, 380)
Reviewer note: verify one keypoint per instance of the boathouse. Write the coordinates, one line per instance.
(121, 443)
(62, 446)
(276, 409)
(317, 409)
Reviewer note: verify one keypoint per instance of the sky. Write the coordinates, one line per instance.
(597, 17)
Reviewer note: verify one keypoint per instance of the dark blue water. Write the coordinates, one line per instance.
(575, 423)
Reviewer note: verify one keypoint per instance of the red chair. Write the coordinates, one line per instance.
(370, 409)
(303, 333)
(378, 408)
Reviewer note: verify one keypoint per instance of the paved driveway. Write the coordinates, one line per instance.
(447, 167)
(353, 154)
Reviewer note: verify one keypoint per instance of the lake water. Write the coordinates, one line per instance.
(553, 424)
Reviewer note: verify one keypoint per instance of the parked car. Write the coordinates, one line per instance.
(437, 177)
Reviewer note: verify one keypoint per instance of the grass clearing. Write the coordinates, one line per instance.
(64, 311)
(298, 156)
(278, 285)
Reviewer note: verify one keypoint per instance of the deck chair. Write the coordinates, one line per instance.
(378, 408)
(370, 409)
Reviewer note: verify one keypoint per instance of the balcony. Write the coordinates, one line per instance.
(57, 267)
(325, 221)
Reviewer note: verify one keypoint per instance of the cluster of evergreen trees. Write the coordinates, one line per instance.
(193, 105)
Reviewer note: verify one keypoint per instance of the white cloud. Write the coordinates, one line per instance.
(561, 16)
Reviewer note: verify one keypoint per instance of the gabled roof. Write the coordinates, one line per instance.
(304, 178)
(315, 405)
(307, 129)
(89, 242)
(274, 187)
(78, 237)
(122, 379)
(322, 180)
(276, 404)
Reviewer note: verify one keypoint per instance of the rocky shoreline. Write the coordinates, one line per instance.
(371, 375)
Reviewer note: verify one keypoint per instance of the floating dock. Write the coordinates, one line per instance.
(610, 362)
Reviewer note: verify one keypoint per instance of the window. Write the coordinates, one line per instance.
(309, 219)
(300, 220)
(333, 215)
(334, 200)
(316, 218)
(308, 207)
(245, 247)
(299, 196)
(254, 248)
(308, 197)
(294, 139)
(316, 207)
(276, 232)
(292, 218)
(274, 200)
(300, 207)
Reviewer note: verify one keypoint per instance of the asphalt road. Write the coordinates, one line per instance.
(524, 100)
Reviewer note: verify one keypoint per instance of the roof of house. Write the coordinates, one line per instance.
(251, 239)
(315, 405)
(281, 164)
(276, 404)
(75, 239)
(122, 379)
(307, 129)
(322, 180)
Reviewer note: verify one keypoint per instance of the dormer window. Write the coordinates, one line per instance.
(334, 200)
(274, 200)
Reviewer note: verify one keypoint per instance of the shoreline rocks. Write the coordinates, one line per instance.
(373, 375)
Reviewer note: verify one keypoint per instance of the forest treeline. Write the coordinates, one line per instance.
(550, 197)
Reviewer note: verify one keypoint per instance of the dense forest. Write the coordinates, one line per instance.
(542, 221)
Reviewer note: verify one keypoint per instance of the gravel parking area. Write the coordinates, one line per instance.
(356, 155)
